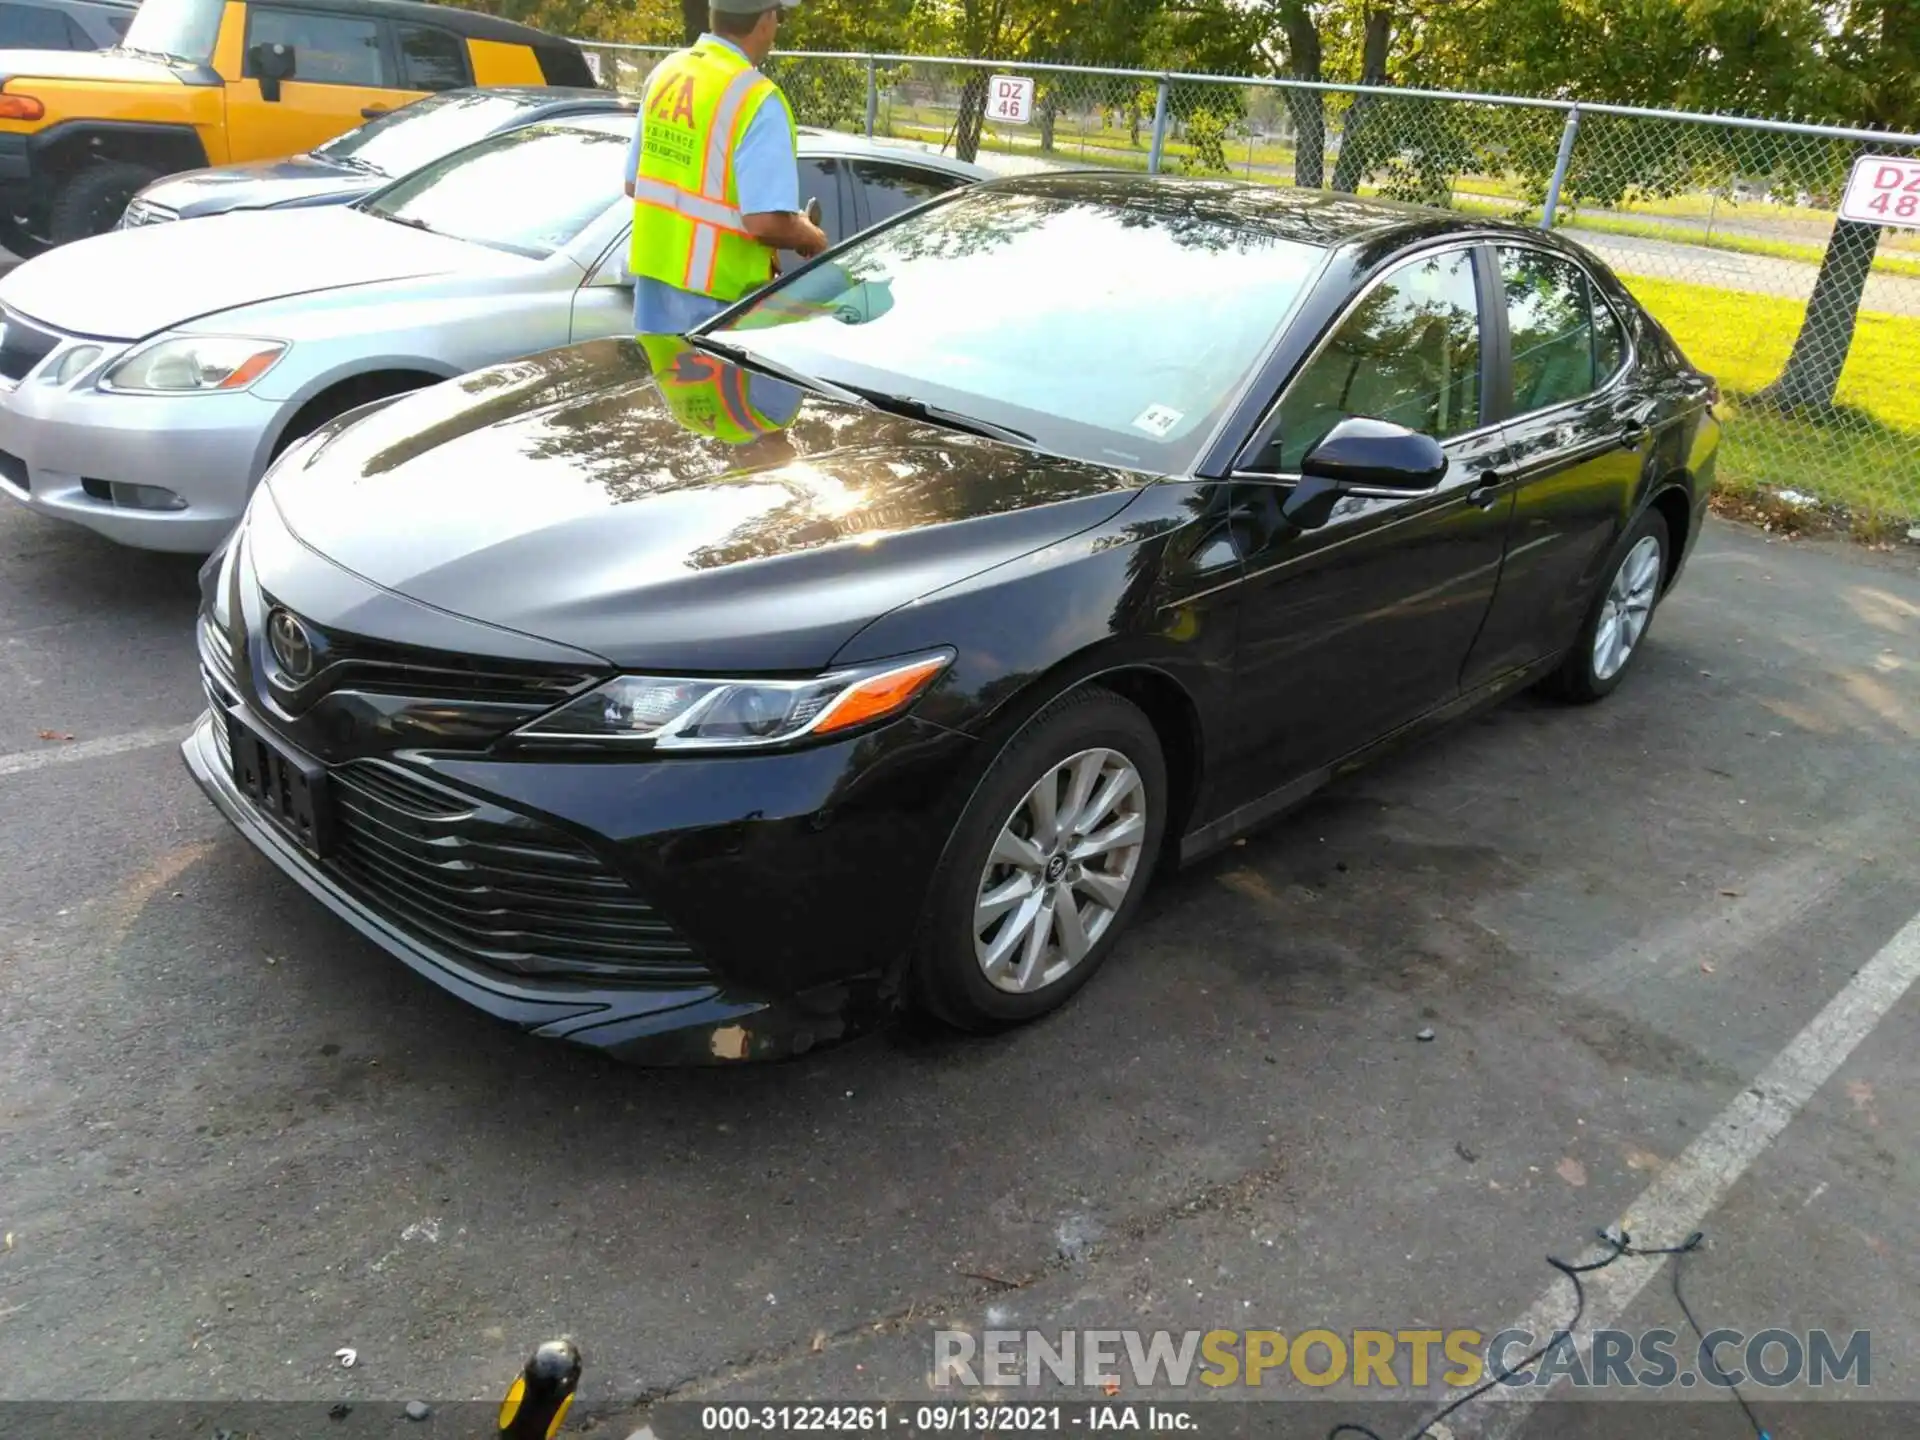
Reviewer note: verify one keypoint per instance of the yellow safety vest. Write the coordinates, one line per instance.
(687, 227)
(705, 394)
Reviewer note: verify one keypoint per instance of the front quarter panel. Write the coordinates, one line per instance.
(446, 326)
(1152, 588)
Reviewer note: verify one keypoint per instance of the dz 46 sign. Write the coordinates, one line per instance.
(1883, 190)
(1010, 98)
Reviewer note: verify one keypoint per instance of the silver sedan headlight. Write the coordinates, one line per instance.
(193, 364)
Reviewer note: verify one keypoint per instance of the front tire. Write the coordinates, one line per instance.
(1047, 866)
(1616, 625)
(93, 200)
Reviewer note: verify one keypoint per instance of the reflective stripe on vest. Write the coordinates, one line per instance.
(688, 230)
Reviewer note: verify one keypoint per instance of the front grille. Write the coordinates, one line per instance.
(23, 345)
(145, 212)
(354, 662)
(216, 655)
(492, 887)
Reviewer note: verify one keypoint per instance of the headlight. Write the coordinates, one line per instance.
(188, 364)
(666, 714)
(75, 363)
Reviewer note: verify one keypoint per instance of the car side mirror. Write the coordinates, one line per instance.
(1362, 453)
(271, 64)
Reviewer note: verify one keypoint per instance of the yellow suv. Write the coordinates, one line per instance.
(213, 82)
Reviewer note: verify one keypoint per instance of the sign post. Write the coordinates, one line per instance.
(1883, 190)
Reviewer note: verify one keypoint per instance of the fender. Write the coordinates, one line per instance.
(177, 145)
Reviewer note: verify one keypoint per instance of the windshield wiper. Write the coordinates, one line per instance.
(740, 355)
(406, 220)
(914, 409)
(164, 56)
(351, 162)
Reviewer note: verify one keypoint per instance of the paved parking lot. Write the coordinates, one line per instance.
(234, 1138)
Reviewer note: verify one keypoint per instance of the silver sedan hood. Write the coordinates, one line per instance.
(128, 284)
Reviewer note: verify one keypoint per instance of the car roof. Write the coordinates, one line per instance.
(1315, 217)
(469, 23)
(535, 97)
(811, 142)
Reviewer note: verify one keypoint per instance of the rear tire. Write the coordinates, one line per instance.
(1025, 908)
(93, 200)
(1615, 630)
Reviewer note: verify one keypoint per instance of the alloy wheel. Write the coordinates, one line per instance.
(1628, 607)
(1060, 869)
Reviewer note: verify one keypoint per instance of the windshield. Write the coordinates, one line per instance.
(1111, 331)
(530, 190)
(403, 140)
(185, 29)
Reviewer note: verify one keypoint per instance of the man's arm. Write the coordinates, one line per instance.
(767, 175)
(633, 151)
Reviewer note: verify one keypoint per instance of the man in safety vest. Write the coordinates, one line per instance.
(714, 174)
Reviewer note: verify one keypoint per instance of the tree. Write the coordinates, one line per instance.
(1352, 164)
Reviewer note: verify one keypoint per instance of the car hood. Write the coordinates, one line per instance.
(127, 284)
(563, 496)
(292, 181)
(91, 67)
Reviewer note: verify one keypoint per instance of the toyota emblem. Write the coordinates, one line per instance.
(291, 645)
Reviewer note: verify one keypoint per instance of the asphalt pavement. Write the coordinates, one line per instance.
(235, 1138)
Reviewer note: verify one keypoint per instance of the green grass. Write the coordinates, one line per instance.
(1865, 455)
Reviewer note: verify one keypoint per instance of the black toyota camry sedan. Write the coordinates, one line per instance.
(705, 699)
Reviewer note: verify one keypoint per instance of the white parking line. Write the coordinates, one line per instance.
(62, 753)
(1674, 1206)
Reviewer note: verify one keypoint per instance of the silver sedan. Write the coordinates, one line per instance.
(148, 377)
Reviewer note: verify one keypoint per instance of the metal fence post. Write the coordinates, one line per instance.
(1560, 164)
(1159, 128)
(873, 94)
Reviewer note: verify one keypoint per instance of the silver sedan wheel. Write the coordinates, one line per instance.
(1061, 868)
(1629, 605)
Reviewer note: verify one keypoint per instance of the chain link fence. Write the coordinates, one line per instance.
(1724, 227)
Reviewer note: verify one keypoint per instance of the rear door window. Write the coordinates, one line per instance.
(890, 188)
(1559, 351)
(431, 58)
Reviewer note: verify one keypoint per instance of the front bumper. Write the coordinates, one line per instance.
(63, 446)
(787, 963)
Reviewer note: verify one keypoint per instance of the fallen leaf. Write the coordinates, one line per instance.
(1730, 893)
(1571, 1171)
(1638, 1159)
(54, 735)
(1706, 967)
(1112, 1387)
(819, 1341)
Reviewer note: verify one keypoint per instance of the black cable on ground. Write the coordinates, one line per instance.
(1617, 1246)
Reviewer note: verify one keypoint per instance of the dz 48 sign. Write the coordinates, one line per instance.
(1010, 98)
(1883, 190)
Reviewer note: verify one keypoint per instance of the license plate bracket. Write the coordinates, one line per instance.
(290, 790)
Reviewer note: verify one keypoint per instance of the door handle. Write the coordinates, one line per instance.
(1489, 488)
(1639, 427)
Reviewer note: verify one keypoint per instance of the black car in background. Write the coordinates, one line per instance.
(701, 699)
(64, 24)
(394, 143)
